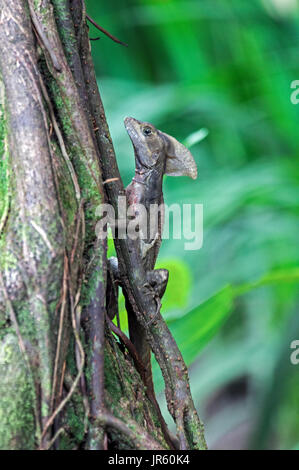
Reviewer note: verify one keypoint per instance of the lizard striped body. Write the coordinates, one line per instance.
(156, 154)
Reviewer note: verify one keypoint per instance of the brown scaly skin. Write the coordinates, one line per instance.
(146, 189)
(156, 154)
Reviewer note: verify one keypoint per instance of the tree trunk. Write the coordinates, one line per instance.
(66, 382)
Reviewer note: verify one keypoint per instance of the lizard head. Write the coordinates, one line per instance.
(147, 143)
(154, 148)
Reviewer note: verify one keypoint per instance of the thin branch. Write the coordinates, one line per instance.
(61, 141)
(5, 213)
(80, 220)
(137, 435)
(60, 331)
(76, 381)
(43, 37)
(129, 345)
(105, 32)
(54, 439)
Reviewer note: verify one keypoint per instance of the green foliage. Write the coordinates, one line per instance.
(179, 283)
(225, 66)
(195, 329)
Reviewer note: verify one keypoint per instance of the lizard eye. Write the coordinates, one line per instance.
(147, 131)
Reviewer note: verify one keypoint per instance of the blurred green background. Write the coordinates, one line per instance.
(225, 66)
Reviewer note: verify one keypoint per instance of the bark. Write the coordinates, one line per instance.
(66, 382)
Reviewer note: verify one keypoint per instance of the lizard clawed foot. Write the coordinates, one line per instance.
(157, 280)
(159, 305)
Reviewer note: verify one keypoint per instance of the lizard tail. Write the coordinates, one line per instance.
(138, 338)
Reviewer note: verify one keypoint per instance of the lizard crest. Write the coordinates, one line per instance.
(155, 149)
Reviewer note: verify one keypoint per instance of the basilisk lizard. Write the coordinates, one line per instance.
(156, 154)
